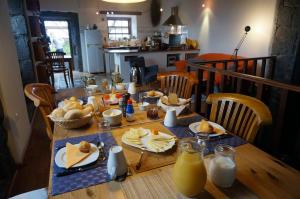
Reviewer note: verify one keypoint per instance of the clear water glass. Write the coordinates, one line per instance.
(104, 125)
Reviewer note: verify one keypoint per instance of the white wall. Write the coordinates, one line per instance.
(218, 27)
(11, 90)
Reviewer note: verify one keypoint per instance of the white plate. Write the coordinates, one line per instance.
(157, 94)
(61, 103)
(144, 141)
(193, 127)
(60, 157)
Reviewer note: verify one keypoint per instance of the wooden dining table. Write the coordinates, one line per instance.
(259, 175)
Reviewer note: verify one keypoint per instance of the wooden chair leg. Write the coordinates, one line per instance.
(66, 79)
(52, 79)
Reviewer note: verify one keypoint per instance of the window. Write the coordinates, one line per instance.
(119, 28)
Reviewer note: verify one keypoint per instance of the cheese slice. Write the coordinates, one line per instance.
(74, 155)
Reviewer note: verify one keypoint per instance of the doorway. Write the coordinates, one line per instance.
(59, 34)
(63, 30)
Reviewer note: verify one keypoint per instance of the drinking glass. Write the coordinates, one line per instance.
(103, 125)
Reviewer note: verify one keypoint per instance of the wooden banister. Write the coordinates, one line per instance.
(236, 81)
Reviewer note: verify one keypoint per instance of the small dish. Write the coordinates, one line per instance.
(60, 157)
(143, 106)
(113, 116)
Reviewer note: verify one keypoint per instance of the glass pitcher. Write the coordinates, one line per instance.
(189, 173)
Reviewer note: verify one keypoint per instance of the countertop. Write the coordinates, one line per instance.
(128, 50)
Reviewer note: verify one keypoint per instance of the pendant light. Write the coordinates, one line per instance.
(124, 1)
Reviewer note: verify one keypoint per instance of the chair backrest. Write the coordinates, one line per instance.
(181, 83)
(56, 59)
(137, 62)
(42, 97)
(239, 114)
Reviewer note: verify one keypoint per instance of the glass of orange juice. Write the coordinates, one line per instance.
(189, 173)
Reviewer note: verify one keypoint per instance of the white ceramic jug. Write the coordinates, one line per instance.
(116, 163)
(170, 118)
(132, 88)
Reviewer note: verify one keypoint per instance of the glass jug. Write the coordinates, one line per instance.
(189, 173)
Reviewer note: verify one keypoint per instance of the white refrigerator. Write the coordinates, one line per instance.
(93, 53)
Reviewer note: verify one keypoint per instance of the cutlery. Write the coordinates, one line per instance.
(139, 164)
(79, 169)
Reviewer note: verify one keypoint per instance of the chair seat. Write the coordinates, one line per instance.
(35, 194)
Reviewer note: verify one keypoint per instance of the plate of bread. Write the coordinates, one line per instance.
(149, 140)
(173, 100)
(207, 127)
(76, 155)
(153, 94)
(72, 114)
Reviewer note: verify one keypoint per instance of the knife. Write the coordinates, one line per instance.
(75, 170)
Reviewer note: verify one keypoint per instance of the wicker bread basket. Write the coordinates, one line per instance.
(72, 124)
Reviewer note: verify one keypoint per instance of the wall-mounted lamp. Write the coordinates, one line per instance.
(235, 52)
(161, 9)
(203, 5)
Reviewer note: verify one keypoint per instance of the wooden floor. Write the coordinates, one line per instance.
(34, 173)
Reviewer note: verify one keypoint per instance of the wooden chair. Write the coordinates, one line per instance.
(239, 114)
(42, 97)
(57, 65)
(180, 83)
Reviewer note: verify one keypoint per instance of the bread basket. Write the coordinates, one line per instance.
(72, 124)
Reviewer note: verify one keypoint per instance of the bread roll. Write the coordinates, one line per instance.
(73, 98)
(88, 109)
(58, 113)
(73, 114)
(205, 127)
(84, 147)
(72, 105)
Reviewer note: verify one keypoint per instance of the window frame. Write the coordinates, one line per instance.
(128, 19)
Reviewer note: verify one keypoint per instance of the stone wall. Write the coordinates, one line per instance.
(286, 46)
(20, 32)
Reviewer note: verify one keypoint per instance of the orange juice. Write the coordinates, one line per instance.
(189, 174)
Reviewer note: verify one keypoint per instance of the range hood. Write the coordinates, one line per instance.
(174, 19)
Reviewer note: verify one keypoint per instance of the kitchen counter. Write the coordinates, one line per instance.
(165, 59)
(135, 50)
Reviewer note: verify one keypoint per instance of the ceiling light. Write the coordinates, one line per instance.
(203, 5)
(97, 13)
(161, 9)
(124, 1)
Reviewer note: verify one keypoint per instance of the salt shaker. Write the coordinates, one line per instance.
(222, 168)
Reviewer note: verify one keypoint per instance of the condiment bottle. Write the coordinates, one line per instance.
(129, 111)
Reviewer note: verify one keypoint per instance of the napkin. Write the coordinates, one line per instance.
(74, 155)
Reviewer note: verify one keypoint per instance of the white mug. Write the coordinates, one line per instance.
(116, 163)
(132, 88)
(170, 118)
